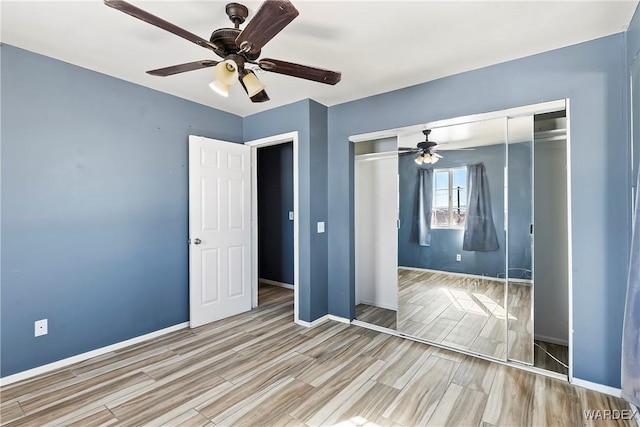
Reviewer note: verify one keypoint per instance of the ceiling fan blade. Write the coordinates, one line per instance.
(268, 21)
(258, 97)
(182, 68)
(302, 71)
(437, 155)
(145, 16)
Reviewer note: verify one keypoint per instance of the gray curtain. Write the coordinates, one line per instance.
(479, 230)
(631, 329)
(421, 228)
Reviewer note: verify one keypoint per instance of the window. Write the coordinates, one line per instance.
(449, 198)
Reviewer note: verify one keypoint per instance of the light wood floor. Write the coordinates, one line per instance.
(259, 368)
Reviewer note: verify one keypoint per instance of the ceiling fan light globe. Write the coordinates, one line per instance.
(434, 159)
(420, 159)
(253, 85)
(220, 88)
(227, 72)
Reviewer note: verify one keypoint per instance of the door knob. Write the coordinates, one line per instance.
(197, 241)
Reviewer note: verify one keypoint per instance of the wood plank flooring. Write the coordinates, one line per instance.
(259, 368)
(428, 316)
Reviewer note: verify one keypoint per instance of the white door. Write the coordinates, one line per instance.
(219, 230)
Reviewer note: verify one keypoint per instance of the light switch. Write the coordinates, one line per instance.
(290, 215)
(321, 227)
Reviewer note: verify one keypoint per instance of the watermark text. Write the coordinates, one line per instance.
(609, 414)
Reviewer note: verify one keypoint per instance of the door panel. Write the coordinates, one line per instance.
(209, 203)
(210, 276)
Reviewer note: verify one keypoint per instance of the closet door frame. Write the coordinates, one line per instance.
(511, 112)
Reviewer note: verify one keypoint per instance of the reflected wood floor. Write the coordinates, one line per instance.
(259, 368)
(376, 315)
(466, 313)
(545, 361)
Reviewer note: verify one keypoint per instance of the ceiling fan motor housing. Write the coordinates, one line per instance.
(225, 40)
(425, 145)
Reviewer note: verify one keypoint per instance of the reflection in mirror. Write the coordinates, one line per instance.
(451, 238)
(635, 122)
(551, 247)
(461, 234)
(520, 287)
(375, 178)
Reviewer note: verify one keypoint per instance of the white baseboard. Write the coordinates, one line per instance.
(552, 340)
(274, 283)
(316, 322)
(323, 319)
(611, 391)
(10, 379)
(338, 319)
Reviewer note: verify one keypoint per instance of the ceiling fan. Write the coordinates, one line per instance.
(237, 47)
(426, 148)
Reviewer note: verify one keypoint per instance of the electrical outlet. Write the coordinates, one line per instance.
(458, 257)
(321, 227)
(290, 215)
(41, 327)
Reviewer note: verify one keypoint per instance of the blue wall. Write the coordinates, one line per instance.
(275, 201)
(94, 207)
(318, 165)
(312, 181)
(593, 75)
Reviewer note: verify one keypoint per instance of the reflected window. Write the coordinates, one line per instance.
(449, 207)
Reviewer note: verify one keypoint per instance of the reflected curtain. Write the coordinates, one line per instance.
(630, 332)
(479, 230)
(421, 228)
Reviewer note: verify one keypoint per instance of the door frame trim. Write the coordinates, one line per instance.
(255, 145)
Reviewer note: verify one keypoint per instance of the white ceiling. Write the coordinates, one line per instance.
(378, 45)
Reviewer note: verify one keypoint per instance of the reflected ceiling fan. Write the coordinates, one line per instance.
(426, 148)
(237, 47)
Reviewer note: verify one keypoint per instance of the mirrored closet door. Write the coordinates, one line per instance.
(462, 234)
(519, 193)
(451, 239)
